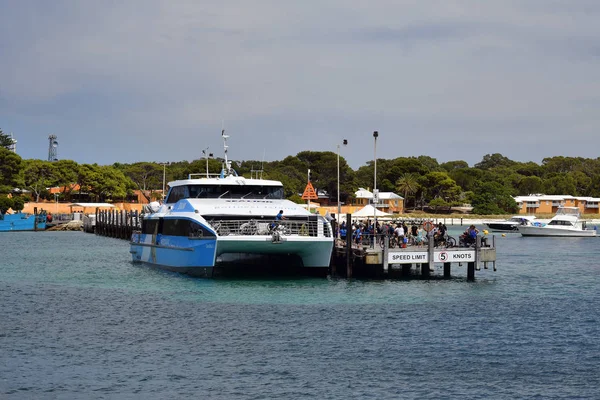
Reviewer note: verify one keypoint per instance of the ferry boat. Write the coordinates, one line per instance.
(22, 222)
(210, 223)
(566, 222)
(510, 225)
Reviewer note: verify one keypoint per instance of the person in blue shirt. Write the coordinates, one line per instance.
(343, 231)
(279, 216)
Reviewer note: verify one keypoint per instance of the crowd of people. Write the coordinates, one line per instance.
(400, 234)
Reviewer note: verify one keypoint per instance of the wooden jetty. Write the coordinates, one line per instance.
(383, 262)
(116, 223)
(375, 262)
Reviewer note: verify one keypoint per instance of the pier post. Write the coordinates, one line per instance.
(447, 267)
(406, 270)
(349, 246)
(425, 270)
(494, 246)
(112, 223)
(35, 222)
(429, 255)
(385, 253)
(477, 247)
(122, 224)
(471, 272)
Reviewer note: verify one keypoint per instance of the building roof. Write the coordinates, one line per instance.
(554, 197)
(363, 193)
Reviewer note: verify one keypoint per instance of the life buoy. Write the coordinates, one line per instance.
(304, 230)
(428, 226)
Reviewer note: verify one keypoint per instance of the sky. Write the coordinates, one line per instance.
(153, 80)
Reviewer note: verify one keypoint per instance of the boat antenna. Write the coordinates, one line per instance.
(262, 164)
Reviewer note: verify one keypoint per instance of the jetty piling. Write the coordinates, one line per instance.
(117, 224)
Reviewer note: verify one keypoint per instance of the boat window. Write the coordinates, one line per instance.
(555, 222)
(177, 193)
(231, 192)
(149, 226)
(185, 227)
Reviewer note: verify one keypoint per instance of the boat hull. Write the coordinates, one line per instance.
(217, 256)
(545, 231)
(502, 227)
(22, 222)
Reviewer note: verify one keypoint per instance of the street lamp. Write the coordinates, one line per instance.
(56, 200)
(164, 179)
(375, 191)
(345, 142)
(206, 154)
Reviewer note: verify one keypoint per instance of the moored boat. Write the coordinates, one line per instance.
(211, 222)
(565, 223)
(22, 222)
(510, 225)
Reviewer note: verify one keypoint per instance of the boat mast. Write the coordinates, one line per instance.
(227, 164)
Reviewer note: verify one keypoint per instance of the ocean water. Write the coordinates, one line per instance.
(78, 320)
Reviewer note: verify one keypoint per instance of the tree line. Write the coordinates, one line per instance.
(489, 186)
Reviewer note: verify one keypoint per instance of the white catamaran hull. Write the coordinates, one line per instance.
(315, 253)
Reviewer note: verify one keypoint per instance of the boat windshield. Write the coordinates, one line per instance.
(224, 192)
(568, 211)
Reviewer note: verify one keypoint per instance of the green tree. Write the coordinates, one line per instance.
(10, 169)
(146, 176)
(439, 184)
(109, 183)
(65, 176)
(18, 203)
(407, 184)
(493, 161)
(530, 185)
(560, 183)
(493, 198)
(38, 175)
(454, 165)
(5, 203)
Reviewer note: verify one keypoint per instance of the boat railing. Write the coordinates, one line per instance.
(201, 175)
(253, 227)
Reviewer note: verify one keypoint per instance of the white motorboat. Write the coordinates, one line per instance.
(566, 222)
(211, 222)
(512, 224)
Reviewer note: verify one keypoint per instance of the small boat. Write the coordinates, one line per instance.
(22, 222)
(566, 222)
(512, 224)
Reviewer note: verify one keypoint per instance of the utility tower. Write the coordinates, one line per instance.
(13, 146)
(52, 148)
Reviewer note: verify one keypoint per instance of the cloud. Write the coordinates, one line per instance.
(452, 80)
